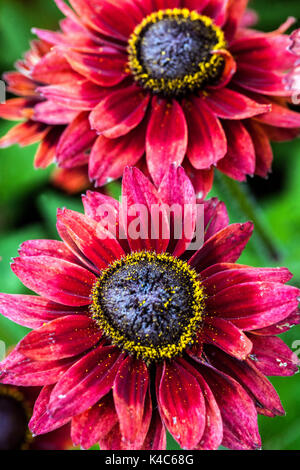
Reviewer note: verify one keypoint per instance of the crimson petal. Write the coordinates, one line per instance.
(240, 430)
(33, 311)
(262, 147)
(56, 279)
(140, 196)
(229, 104)
(167, 137)
(265, 397)
(109, 157)
(215, 217)
(181, 405)
(91, 242)
(237, 274)
(213, 432)
(61, 338)
(254, 305)
(41, 421)
(240, 158)
(19, 370)
(85, 383)
(129, 391)
(176, 190)
(156, 437)
(272, 356)
(80, 95)
(76, 138)
(225, 246)
(120, 111)
(107, 68)
(94, 423)
(206, 141)
(226, 336)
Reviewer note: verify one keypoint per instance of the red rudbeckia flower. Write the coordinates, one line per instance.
(185, 81)
(16, 406)
(135, 335)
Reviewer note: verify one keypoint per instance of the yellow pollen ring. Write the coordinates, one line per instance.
(189, 331)
(207, 69)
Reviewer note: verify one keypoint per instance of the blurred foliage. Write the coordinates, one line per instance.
(28, 203)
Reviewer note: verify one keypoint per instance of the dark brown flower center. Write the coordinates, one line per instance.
(171, 52)
(149, 304)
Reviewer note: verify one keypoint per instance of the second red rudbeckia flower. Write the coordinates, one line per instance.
(177, 81)
(136, 335)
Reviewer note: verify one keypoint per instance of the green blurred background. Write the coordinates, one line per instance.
(28, 202)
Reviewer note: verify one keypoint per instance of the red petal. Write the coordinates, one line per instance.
(55, 279)
(112, 440)
(280, 327)
(215, 217)
(47, 149)
(41, 421)
(19, 370)
(207, 141)
(80, 95)
(16, 109)
(216, 9)
(279, 134)
(109, 157)
(229, 104)
(235, 12)
(262, 147)
(240, 158)
(240, 431)
(20, 85)
(141, 204)
(265, 397)
(267, 51)
(92, 202)
(24, 134)
(107, 68)
(280, 116)
(260, 80)
(51, 113)
(71, 180)
(197, 5)
(85, 383)
(107, 17)
(227, 337)
(129, 391)
(225, 246)
(167, 137)
(202, 180)
(53, 69)
(176, 191)
(272, 356)
(53, 248)
(61, 338)
(237, 274)
(181, 405)
(77, 138)
(156, 437)
(254, 304)
(94, 423)
(120, 111)
(32, 311)
(213, 432)
(94, 245)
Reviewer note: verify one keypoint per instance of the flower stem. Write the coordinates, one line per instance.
(239, 199)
